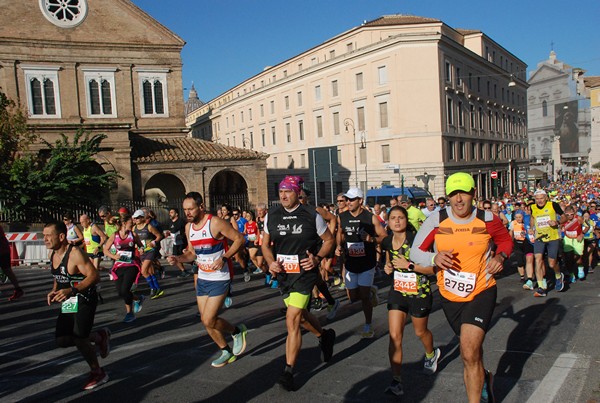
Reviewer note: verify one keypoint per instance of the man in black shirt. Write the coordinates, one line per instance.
(177, 233)
(300, 240)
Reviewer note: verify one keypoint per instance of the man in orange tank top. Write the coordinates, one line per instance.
(458, 242)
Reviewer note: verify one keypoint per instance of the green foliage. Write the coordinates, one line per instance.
(596, 165)
(64, 174)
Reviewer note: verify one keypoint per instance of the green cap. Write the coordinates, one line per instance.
(459, 181)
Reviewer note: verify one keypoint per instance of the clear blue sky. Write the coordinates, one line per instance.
(229, 41)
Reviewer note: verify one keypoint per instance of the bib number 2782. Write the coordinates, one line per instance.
(461, 284)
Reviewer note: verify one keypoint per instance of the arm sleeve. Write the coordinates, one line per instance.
(424, 241)
(500, 236)
(557, 208)
(321, 224)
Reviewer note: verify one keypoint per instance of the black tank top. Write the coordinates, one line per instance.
(64, 279)
(294, 233)
(360, 255)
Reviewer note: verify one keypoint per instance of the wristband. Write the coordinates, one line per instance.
(74, 291)
(433, 259)
(224, 259)
(320, 258)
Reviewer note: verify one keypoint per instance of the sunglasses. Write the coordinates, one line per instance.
(341, 200)
(353, 199)
(102, 215)
(487, 208)
(300, 197)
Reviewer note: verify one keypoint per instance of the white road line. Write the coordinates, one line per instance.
(548, 389)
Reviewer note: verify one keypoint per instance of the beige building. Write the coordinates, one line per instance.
(108, 67)
(558, 121)
(592, 88)
(397, 93)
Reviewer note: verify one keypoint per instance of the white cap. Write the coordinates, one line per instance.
(138, 213)
(539, 192)
(353, 193)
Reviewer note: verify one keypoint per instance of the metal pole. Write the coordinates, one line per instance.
(330, 177)
(315, 174)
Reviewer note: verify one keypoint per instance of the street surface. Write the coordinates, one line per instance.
(540, 349)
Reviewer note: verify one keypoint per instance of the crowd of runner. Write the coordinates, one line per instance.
(458, 242)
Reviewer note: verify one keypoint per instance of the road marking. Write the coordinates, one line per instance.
(554, 379)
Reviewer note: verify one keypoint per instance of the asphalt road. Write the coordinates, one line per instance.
(540, 349)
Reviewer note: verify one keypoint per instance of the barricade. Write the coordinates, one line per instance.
(27, 248)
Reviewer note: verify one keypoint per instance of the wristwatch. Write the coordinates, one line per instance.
(411, 266)
(503, 255)
(224, 259)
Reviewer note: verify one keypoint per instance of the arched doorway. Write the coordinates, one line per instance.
(228, 187)
(164, 188)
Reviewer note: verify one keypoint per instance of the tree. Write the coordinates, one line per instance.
(35, 185)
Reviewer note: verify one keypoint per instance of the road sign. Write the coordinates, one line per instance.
(392, 166)
(494, 174)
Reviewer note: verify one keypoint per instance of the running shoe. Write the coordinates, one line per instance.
(152, 293)
(228, 302)
(487, 393)
(104, 344)
(247, 276)
(184, 274)
(368, 332)
(161, 271)
(332, 310)
(540, 292)
(337, 281)
(133, 287)
(239, 340)
(326, 341)
(316, 304)
(572, 278)
(430, 364)
(96, 379)
(528, 285)
(374, 296)
(395, 388)
(580, 273)
(137, 304)
(3, 277)
(560, 283)
(268, 279)
(274, 284)
(286, 381)
(257, 271)
(157, 294)
(225, 358)
(590, 270)
(129, 317)
(18, 293)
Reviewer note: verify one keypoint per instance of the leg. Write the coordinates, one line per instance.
(365, 297)
(540, 268)
(215, 326)
(311, 323)
(423, 333)
(471, 341)
(529, 265)
(397, 321)
(293, 343)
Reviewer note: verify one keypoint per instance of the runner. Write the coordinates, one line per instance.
(300, 241)
(150, 238)
(5, 266)
(75, 279)
(522, 248)
(409, 295)
(74, 234)
(461, 237)
(544, 219)
(430, 207)
(127, 267)
(573, 245)
(176, 232)
(357, 234)
(94, 239)
(207, 248)
(105, 214)
(261, 213)
(589, 242)
(252, 235)
(415, 216)
(239, 222)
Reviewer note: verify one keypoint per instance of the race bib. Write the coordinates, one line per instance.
(571, 234)
(356, 249)
(459, 283)
(291, 263)
(125, 256)
(252, 237)
(405, 282)
(204, 263)
(543, 221)
(70, 305)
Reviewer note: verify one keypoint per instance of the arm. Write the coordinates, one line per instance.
(107, 245)
(503, 242)
(159, 236)
(101, 234)
(339, 237)
(313, 261)
(420, 252)
(79, 236)
(188, 255)
(83, 265)
(400, 262)
(503, 218)
(220, 227)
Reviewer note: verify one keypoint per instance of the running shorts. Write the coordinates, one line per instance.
(413, 306)
(476, 312)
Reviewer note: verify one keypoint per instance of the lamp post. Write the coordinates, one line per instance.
(495, 180)
(350, 123)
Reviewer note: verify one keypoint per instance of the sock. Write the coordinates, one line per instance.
(236, 330)
(154, 282)
(430, 355)
(150, 283)
(544, 284)
(367, 327)
(557, 275)
(288, 369)
(227, 348)
(580, 268)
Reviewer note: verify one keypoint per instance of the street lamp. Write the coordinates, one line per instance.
(350, 123)
(495, 180)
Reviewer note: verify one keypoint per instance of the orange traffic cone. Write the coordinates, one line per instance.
(14, 255)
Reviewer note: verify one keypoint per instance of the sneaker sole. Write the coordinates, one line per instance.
(101, 382)
(244, 332)
(229, 361)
